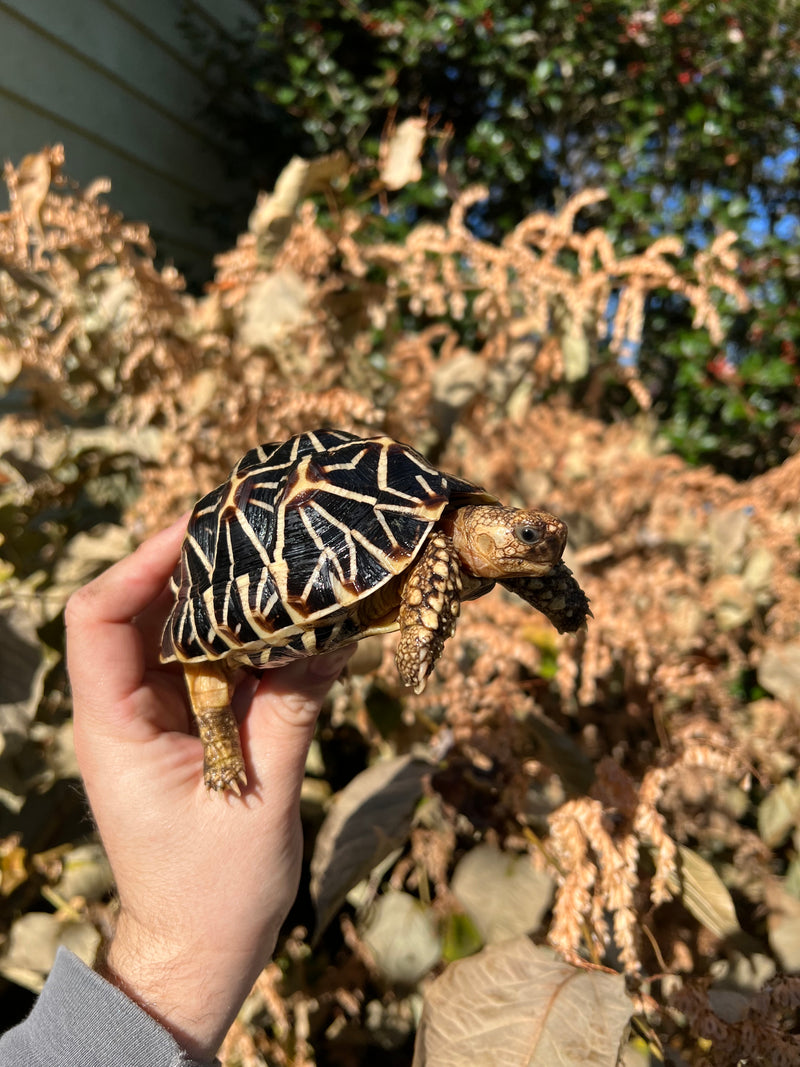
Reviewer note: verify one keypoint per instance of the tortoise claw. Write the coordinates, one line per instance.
(227, 777)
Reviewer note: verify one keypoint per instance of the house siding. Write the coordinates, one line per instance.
(118, 85)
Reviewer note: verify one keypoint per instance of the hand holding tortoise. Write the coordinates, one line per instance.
(203, 887)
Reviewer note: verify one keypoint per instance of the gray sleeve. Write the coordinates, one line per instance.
(80, 1020)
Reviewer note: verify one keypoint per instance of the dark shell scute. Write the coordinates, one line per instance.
(203, 526)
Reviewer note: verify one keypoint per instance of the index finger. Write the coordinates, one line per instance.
(104, 649)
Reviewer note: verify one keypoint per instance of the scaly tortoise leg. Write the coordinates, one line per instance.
(557, 595)
(430, 603)
(210, 692)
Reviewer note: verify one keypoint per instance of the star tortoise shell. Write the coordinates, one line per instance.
(275, 558)
(315, 542)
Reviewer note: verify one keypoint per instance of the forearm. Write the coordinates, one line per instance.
(193, 988)
(80, 1018)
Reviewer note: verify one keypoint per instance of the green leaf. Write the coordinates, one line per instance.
(460, 938)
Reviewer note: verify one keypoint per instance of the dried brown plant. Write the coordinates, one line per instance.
(618, 757)
(762, 1035)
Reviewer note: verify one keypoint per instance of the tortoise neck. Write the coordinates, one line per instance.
(475, 547)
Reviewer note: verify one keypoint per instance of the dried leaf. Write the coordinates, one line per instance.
(110, 302)
(758, 572)
(86, 873)
(371, 816)
(502, 893)
(704, 894)
(783, 925)
(85, 556)
(734, 604)
(23, 666)
(34, 941)
(516, 1004)
(324, 171)
(746, 973)
(34, 175)
(272, 217)
(560, 752)
(58, 751)
(401, 933)
(637, 1053)
(727, 539)
(13, 865)
(779, 812)
(779, 672)
(577, 350)
(10, 360)
(455, 384)
(400, 157)
(272, 307)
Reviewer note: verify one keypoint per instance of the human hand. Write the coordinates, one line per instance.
(204, 882)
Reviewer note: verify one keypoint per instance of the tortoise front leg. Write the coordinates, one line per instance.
(557, 595)
(430, 602)
(210, 693)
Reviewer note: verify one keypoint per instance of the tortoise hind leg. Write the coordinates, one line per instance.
(556, 594)
(430, 602)
(210, 689)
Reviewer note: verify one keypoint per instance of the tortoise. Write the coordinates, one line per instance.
(318, 541)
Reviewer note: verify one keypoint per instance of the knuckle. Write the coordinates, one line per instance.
(75, 608)
(298, 709)
(80, 603)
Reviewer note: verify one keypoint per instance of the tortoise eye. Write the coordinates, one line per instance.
(528, 535)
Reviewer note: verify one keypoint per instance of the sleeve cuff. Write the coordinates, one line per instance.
(81, 1019)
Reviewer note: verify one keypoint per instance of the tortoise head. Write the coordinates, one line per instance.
(498, 542)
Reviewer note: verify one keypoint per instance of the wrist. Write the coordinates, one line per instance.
(194, 998)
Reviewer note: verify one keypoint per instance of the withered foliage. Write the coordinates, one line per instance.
(648, 765)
